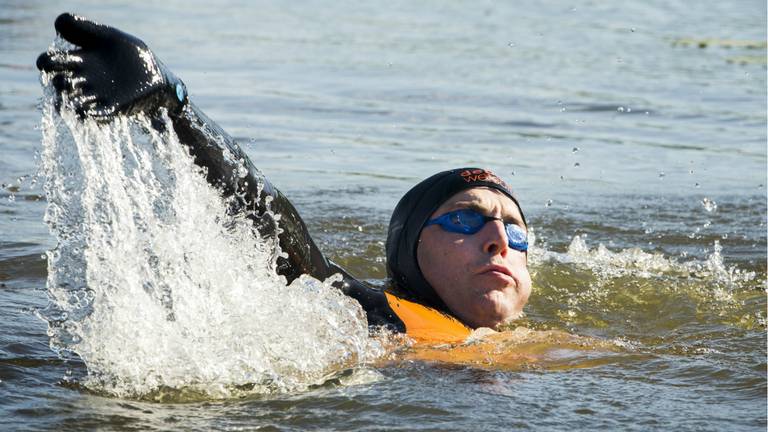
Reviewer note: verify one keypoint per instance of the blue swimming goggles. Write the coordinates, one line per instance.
(467, 221)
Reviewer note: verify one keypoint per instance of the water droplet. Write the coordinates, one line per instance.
(629, 109)
(511, 44)
(575, 150)
(549, 203)
(577, 164)
(709, 205)
(632, 29)
(562, 178)
(512, 172)
(647, 113)
(242, 171)
(724, 236)
(11, 198)
(694, 234)
(690, 172)
(707, 224)
(697, 185)
(661, 174)
(620, 109)
(562, 109)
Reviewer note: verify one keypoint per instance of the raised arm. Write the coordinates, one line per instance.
(112, 72)
(229, 169)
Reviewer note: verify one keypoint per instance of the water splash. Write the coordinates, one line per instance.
(626, 293)
(155, 287)
(709, 204)
(637, 263)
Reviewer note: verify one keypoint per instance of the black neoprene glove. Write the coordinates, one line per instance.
(112, 72)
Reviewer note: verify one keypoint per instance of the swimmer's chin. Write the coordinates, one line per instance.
(501, 325)
(510, 319)
(479, 334)
(505, 322)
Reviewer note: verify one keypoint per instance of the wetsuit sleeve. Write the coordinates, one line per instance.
(111, 72)
(231, 170)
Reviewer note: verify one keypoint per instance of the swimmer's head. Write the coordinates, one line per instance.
(456, 242)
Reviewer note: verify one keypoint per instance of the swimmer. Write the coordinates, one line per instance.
(457, 241)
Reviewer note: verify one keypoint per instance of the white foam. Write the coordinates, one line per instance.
(154, 287)
(635, 262)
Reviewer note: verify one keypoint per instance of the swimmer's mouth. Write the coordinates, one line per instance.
(496, 268)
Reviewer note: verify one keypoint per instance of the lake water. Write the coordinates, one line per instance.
(634, 135)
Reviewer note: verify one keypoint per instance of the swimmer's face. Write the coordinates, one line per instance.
(480, 278)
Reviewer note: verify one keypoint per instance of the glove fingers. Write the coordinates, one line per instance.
(64, 66)
(81, 31)
(61, 83)
(66, 83)
(59, 61)
(101, 113)
(84, 104)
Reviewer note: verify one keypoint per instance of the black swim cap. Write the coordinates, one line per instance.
(409, 217)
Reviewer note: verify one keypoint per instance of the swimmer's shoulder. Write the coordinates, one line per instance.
(425, 324)
(388, 307)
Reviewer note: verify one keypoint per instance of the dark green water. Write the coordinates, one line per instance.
(640, 162)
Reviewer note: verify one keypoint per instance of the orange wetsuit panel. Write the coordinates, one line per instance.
(425, 324)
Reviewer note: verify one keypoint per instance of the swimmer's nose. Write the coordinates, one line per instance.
(495, 238)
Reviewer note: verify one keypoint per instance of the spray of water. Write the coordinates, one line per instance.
(595, 285)
(635, 262)
(156, 288)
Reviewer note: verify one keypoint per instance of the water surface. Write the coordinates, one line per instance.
(639, 158)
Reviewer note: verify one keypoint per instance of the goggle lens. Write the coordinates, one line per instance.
(469, 222)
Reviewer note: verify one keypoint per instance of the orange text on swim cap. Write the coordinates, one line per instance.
(482, 175)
